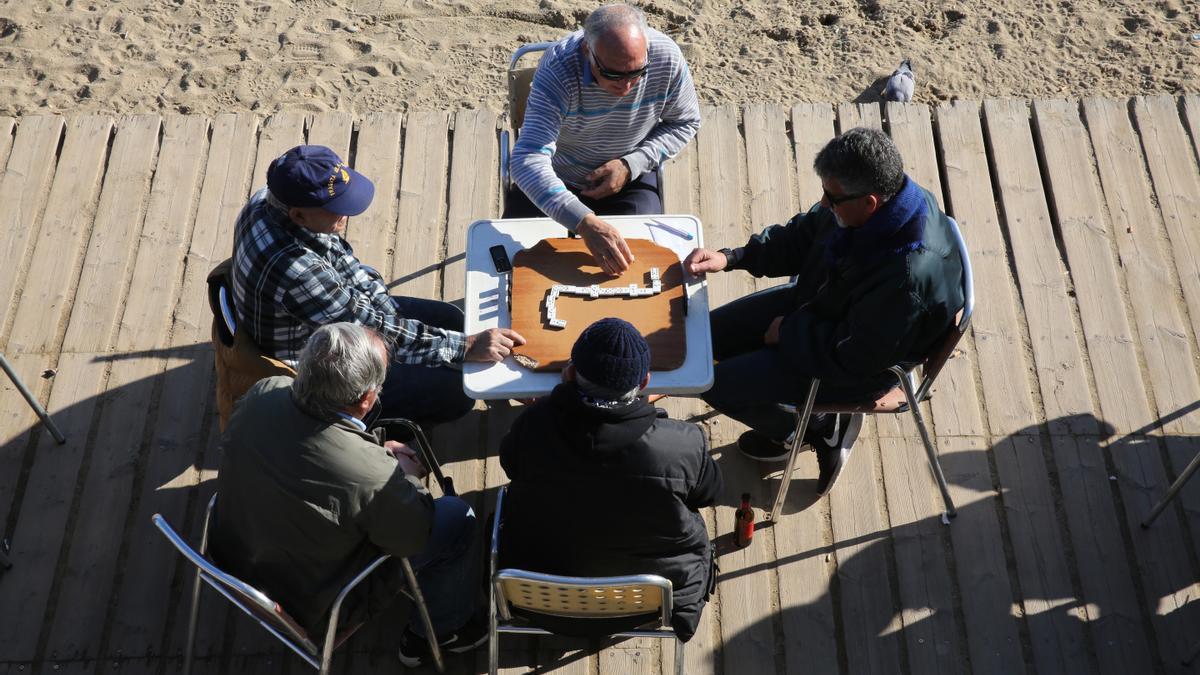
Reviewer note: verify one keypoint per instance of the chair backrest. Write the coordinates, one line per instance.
(962, 320)
(520, 80)
(245, 597)
(220, 301)
(576, 597)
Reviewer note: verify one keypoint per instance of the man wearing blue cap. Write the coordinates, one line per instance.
(617, 488)
(293, 273)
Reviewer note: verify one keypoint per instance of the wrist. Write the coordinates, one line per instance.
(732, 257)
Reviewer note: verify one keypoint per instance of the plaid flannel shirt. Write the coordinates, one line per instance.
(288, 281)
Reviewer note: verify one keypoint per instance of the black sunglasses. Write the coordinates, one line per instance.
(617, 75)
(834, 201)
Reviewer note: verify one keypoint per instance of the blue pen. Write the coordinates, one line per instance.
(673, 230)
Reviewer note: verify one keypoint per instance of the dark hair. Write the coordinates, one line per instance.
(862, 161)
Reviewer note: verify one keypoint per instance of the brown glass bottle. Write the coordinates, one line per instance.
(743, 530)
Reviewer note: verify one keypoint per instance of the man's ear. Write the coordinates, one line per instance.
(873, 203)
(296, 214)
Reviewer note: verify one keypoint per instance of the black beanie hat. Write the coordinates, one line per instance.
(613, 354)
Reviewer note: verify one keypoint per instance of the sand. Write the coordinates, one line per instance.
(361, 55)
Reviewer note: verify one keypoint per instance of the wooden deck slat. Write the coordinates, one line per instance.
(748, 640)
(419, 230)
(955, 407)
(803, 538)
(31, 166)
(373, 233)
(1191, 107)
(1087, 238)
(1040, 276)
(46, 512)
(992, 635)
(281, 132)
(8, 125)
(768, 172)
(998, 344)
(332, 129)
(87, 580)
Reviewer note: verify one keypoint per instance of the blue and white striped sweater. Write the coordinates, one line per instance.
(572, 126)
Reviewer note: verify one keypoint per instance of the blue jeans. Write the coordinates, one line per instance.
(636, 198)
(448, 569)
(750, 378)
(427, 395)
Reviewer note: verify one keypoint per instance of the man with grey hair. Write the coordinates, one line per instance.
(634, 482)
(609, 104)
(308, 498)
(878, 283)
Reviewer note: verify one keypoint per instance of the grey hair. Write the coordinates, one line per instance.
(611, 18)
(340, 363)
(863, 161)
(601, 396)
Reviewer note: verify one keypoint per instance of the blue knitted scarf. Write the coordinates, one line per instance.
(897, 227)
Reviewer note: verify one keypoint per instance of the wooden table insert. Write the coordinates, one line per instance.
(660, 317)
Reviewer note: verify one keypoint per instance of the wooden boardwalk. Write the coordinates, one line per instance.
(1069, 409)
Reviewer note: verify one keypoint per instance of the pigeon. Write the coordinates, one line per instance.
(900, 84)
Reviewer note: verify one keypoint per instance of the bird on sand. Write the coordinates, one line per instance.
(900, 84)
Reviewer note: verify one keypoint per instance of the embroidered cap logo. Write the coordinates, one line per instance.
(337, 170)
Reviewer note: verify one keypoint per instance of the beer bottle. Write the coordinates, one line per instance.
(744, 519)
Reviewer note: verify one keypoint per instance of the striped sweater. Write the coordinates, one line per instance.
(572, 126)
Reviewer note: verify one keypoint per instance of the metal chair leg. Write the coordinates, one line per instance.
(678, 656)
(32, 401)
(411, 578)
(930, 451)
(1172, 491)
(802, 416)
(493, 634)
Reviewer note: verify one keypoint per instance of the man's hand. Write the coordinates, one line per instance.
(607, 245)
(771, 337)
(607, 180)
(407, 458)
(702, 261)
(493, 344)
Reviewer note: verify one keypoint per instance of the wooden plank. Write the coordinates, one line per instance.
(769, 171)
(8, 126)
(992, 635)
(106, 268)
(281, 132)
(1041, 277)
(1191, 109)
(1113, 615)
(803, 538)
(812, 128)
(749, 642)
(422, 196)
(332, 129)
(999, 344)
(89, 577)
(560, 655)
(18, 425)
(1087, 239)
(1177, 185)
(1057, 638)
(31, 165)
(373, 233)
(472, 192)
(39, 320)
(955, 407)
(81, 378)
(1162, 330)
(637, 656)
(851, 115)
(925, 586)
(679, 181)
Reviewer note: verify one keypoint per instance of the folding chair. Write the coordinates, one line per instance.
(904, 397)
(520, 81)
(640, 595)
(270, 615)
(33, 403)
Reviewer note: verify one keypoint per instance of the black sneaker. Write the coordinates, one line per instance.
(757, 445)
(414, 649)
(833, 449)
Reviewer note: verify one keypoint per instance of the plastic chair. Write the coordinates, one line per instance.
(904, 397)
(647, 595)
(269, 614)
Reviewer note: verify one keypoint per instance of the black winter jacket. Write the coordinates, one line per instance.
(609, 492)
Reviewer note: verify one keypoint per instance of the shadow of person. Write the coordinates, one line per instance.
(1045, 564)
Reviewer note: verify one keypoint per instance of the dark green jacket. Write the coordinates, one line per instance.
(304, 505)
(856, 318)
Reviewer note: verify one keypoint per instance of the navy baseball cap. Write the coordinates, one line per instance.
(313, 175)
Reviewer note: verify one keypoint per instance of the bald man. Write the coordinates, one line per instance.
(609, 104)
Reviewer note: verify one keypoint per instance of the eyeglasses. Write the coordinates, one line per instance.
(617, 75)
(834, 201)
